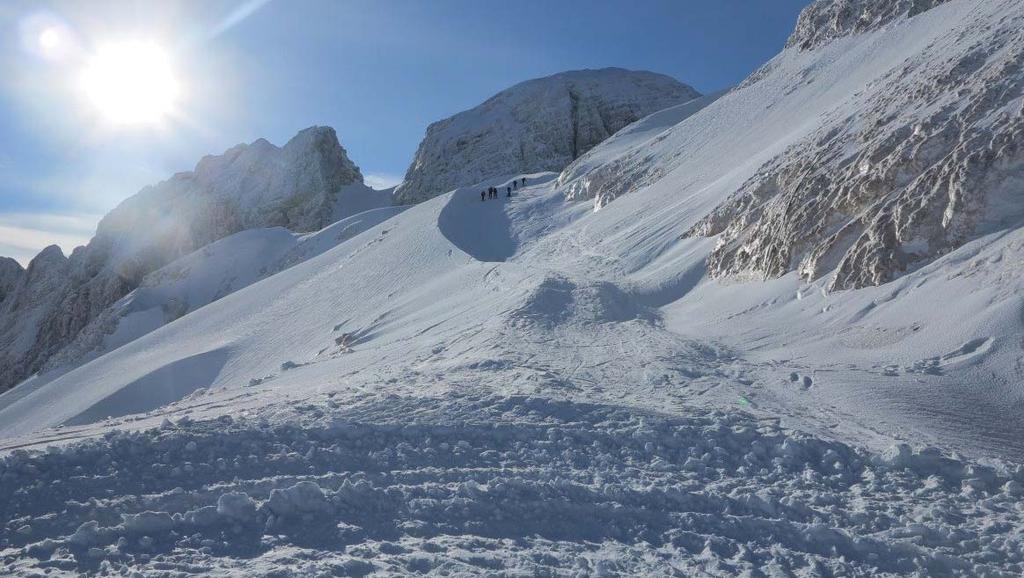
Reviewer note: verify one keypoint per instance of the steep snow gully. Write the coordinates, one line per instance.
(537, 386)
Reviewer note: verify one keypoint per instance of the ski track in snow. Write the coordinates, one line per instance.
(468, 485)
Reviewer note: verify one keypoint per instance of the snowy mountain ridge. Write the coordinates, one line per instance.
(304, 185)
(10, 272)
(912, 176)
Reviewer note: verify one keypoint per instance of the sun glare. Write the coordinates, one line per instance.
(49, 39)
(131, 83)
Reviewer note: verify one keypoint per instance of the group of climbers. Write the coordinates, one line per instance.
(492, 192)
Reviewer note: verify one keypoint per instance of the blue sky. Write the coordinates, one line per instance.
(379, 71)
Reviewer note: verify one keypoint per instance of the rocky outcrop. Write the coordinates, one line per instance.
(256, 185)
(826, 20)
(249, 186)
(34, 295)
(926, 158)
(538, 125)
(10, 273)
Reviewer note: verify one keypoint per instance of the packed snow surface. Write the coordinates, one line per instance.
(528, 386)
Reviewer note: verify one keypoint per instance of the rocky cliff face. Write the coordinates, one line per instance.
(826, 20)
(33, 296)
(10, 273)
(538, 125)
(924, 155)
(932, 157)
(257, 185)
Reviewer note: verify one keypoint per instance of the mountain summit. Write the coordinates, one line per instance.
(538, 125)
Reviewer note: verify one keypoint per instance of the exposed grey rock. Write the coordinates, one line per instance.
(826, 20)
(35, 294)
(933, 157)
(10, 273)
(538, 125)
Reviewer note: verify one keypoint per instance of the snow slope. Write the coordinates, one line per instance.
(630, 140)
(206, 275)
(530, 386)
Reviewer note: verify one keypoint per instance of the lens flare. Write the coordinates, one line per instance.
(47, 36)
(49, 39)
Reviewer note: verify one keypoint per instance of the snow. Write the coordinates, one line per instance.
(634, 137)
(527, 386)
(208, 274)
(518, 485)
(526, 420)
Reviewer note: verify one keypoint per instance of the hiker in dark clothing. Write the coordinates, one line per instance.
(508, 191)
(515, 184)
(524, 181)
(482, 195)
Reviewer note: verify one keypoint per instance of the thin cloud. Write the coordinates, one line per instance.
(23, 235)
(240, 13)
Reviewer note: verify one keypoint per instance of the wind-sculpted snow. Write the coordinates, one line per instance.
(469, 485)
(933, 157)
(536, 126)
(480, 228)
(588, 176)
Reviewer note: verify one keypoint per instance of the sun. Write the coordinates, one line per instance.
(131, 83)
